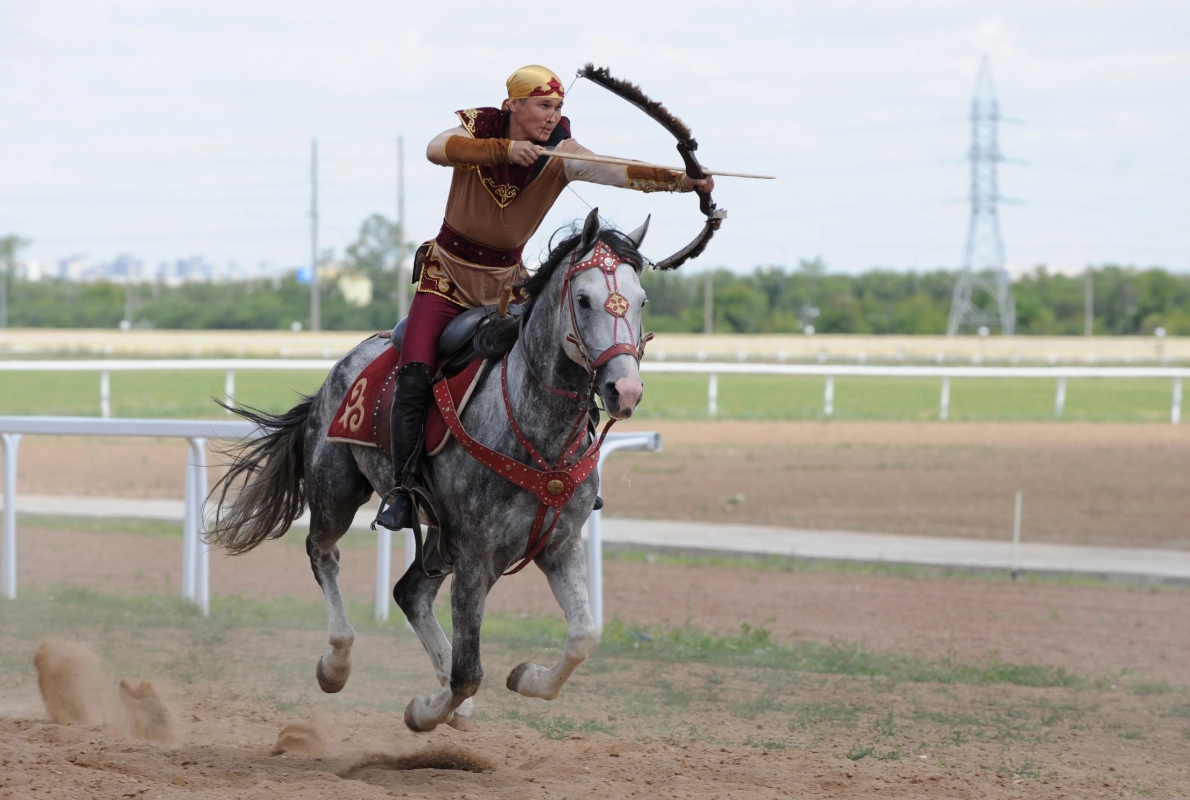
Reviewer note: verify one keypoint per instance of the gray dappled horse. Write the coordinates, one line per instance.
(578, 339)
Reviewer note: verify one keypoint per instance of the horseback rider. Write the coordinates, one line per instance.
(501, 189)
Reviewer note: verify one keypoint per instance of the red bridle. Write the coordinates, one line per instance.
(604, 259)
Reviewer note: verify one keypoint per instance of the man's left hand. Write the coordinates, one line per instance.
(705, 185)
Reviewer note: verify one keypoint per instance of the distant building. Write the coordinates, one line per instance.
(356, 288)
(31, 270)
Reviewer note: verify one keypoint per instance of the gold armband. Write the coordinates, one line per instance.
(652, 179)
(462, 151)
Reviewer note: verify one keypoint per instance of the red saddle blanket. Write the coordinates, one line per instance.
(363, 416)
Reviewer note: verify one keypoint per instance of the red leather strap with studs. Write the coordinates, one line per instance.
(552, 487)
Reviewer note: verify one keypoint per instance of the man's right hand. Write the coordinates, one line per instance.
(524, 154)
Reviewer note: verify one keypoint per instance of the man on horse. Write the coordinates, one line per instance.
(501, 189)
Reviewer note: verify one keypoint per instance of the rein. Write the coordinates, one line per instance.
(554, 484)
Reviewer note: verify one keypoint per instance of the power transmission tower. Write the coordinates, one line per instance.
(315, 305)
(983, 293)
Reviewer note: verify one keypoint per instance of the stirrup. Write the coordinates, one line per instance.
(395, 514)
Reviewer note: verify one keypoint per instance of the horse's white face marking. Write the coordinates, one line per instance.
(595, 296)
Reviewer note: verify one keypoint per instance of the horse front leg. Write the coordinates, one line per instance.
(414, 595)
(566, 570)
(468, 594)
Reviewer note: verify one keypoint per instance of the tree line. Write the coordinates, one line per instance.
(1127, 300)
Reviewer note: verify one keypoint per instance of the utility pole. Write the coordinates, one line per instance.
(402, 284)
(1088, 304)
(983, 272)
(9, 246)
(315, 306)
(708, 304)
(3, 291)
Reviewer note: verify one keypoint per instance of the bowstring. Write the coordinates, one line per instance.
(590, 207)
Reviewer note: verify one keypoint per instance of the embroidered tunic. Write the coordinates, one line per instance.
(493, 211)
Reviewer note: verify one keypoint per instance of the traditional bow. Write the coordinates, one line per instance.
(686, 147)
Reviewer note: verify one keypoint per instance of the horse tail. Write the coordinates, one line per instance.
(272, 471)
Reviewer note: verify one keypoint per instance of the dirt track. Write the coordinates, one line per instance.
(622, 728)
(627, 727)
(1094, 629)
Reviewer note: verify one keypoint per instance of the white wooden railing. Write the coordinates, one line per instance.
(196, 569)
(829, 372)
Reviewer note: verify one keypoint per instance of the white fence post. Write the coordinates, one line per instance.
(384, 561)
(595, 560)
(944, 403)
(1175, 409)
(650, 442)
(201, 559)
(828, 396)
(1060, 398)
(713, 394)
(229, 389)
(105, 394)
(8, 578)
(188, 532)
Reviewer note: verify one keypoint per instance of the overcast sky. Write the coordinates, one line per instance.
(171, 129)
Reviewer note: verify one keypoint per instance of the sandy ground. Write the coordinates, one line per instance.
(630, 727)
(1102, 629)
(623, 727)
(1084, 483)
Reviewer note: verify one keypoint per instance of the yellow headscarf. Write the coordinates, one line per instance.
(533, 81)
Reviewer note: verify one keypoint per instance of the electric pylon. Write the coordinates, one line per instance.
(983, 293)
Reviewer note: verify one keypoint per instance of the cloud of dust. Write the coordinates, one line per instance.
(148, 716)
(305, 737)
(77, 691)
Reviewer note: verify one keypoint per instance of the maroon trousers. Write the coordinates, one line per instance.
(429, 314)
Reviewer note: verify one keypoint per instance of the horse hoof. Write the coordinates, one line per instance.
(514, 677)
(329, 686)
(461, 723)
(411, 721)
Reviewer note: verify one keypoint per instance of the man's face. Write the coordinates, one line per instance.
(537, 116)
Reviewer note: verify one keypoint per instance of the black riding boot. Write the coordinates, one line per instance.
(408, 419)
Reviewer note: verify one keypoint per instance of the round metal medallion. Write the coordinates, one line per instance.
(555, 487)
(617, 304)
(609, 262)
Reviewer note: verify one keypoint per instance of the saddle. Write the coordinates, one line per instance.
(364, 415)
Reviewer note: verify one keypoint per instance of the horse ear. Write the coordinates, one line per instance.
(590, 231)
(638, 235)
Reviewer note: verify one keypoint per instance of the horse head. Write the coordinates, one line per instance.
(603, 300)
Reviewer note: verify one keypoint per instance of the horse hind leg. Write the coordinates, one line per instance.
(334, 666)
(414, 595)
(567, 574)
(328, 522)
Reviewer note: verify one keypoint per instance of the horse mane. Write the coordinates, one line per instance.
(496, 336)
(618, 241)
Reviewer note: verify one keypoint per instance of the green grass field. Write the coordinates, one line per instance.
(190, 394)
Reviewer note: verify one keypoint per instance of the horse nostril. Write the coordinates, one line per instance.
(610, 388)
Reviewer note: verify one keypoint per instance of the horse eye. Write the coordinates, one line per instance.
(584, 301)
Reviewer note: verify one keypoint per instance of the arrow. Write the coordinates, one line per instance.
(552, 153)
